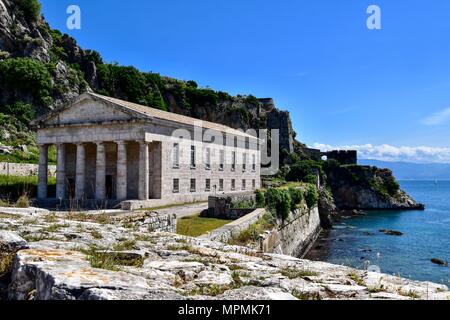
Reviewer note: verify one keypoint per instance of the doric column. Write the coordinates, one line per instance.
(80, 181)
(143, 171)
(100, 172)
(43, 171)
(61, 172)
(121, 171)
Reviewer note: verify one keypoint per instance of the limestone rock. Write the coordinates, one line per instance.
(11, 242)
(57, 266)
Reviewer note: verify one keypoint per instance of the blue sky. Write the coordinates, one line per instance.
(345, 85)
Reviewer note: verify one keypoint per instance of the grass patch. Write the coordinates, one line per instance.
(8, 216)
(195, 226)
(101, 258)
(293, 273)
(306, 295)
(125, 245)
(95, 218)
(411, 294)
(54, 228)
(23, 202)
(36, 237)
(357, 278)
(376, 289)
(143, 238)
(15, 187)
(169, 206)
(252, 234)
(96, 234)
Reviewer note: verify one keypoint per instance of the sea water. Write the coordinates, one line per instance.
(358, 242)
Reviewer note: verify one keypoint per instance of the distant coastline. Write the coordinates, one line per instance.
(407, 171)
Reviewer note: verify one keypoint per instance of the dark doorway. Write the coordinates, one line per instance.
(109, 187)
(71, 187)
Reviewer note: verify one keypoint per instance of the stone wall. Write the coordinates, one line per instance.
(344, 157)
(295, 235)
(23, 169)
(161, 222)
(221, 206)
(233, 229)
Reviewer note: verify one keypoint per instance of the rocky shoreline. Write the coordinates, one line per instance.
(67, 257)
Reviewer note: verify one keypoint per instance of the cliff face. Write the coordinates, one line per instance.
(367, 188)
(59, 70)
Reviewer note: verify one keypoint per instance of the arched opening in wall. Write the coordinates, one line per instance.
(324, 158)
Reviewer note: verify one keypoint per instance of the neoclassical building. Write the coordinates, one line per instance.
(109, 149)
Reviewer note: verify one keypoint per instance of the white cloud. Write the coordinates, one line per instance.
(387, 152)
(437, 118)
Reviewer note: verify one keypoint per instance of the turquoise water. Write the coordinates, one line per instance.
(357, 242)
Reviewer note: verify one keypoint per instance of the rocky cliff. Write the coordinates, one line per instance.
(40, 69)
(367, 188)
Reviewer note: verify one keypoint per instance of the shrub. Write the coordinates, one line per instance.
(23, 202)
(260, 199)
(304, 170)
(31, 9)
(252, 233)
(26, 76)
(392, 186)
(21, 111)
(280, 200)
(311, 196)
(296, 197)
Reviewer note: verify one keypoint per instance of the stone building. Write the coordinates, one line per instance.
(109, 149)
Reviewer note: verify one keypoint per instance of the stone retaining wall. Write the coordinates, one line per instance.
(295, 235)
(233, 229)
(23, 169)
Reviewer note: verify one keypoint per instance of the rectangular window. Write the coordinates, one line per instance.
(244, 185)
(254, 162)
(193, 162)
(233, 184)
(208, 159)
(233, 161)
(176, 185)
(193, 187)
(176, 155)
(244, 162)
(220, 184)
(208, 185)
(254, 184)
(222, 160)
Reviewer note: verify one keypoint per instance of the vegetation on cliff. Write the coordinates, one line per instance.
(52, 69)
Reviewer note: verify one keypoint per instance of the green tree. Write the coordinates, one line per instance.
(24, 77)
(21, 111)
(31, 9)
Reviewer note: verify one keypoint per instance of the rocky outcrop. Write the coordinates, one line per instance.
(327, 208)
(22, 36)
(87, 257)
(367, 188)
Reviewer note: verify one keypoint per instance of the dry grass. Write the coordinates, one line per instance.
(195, 226)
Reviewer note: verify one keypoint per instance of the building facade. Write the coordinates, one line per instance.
(109, 149)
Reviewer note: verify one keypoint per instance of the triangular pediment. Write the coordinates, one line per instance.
(87, 109)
